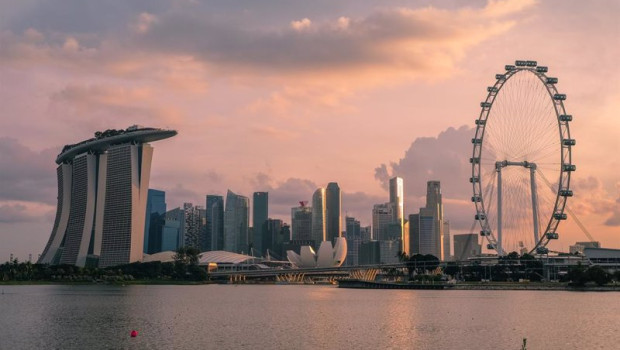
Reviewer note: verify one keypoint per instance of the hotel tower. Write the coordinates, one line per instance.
(102, 193)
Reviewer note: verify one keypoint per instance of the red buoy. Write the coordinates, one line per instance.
(134, 333)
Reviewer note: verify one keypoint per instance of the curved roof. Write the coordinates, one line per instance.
(101, 144)
(166, 256)
(224, 257)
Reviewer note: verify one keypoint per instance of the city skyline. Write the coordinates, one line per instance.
(283, 101)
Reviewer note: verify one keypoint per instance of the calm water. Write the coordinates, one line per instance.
(303, 317)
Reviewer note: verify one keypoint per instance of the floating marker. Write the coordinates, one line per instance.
(134, 333)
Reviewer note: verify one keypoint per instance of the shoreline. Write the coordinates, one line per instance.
(351, 284)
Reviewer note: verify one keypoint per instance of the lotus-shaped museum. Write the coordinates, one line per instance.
(327, 256)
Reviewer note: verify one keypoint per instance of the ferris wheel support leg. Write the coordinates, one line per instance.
(499, 211)
(534, 201)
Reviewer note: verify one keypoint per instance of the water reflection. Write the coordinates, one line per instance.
(303, 317)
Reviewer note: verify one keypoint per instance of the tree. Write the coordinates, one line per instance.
(598, 275)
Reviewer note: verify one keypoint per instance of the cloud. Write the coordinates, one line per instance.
(20, 213)
(444, 158)
(614, 219)
(421, 42)
(26, 175)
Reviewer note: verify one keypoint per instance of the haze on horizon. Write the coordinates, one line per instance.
(285, 97)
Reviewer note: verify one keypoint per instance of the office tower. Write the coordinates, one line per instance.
(236, 223)
(154, 221)
(397, 201)
(260, 213)
(389, 251)
(466, 246)
(434, 204)
(427, 228)
(171, 231)
(446, 239)
(381, 220)
(414, 234)
(318, 217)
(215, 221)
(353, 250)
(301, 222)
(333, 201)
(370, 253)
(352, 227)
(366, 233)
(280, 234)
(102, 195)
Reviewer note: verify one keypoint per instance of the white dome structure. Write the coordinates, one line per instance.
(327, 256)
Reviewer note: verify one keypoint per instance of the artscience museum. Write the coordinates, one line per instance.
(327, 256)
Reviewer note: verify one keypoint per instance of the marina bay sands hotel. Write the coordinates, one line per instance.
(102, 193)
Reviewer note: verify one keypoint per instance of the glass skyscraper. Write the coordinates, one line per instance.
(154, 221)
(260, 213)
(236, 223)
(215, 221)
(318, 217)
(333, 202)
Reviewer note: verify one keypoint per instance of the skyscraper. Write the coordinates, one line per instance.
(154, 221)
(414, 234)
(236, 222)
(333, 202)
(397, 203)
(102, 195)
(446, 239)
(215, 221)
(352, 228)
(427, 228)
(381, 220)
(318, 217)
(301, 222)
(260, 213)
(194, 227)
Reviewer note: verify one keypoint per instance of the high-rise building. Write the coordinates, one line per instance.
(318, 217)
(236, 223)
(172, 233)
(102, 196)
(352, 228)
(427, 228)
(381, 220)
(215, 221)
(366, 233)
(280, 234)
(194, 228)
(446, 240)
(353, 250)
(434, 203)
(301, 222)
(260, 213)
(397, 201)
(369, 253)
(466, 246)
(389, 251)
(414, 234)
(154, 221)
(333, 201)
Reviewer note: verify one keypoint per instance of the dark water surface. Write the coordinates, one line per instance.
(302, 317)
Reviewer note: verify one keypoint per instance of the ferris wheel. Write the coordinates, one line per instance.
(521, 162)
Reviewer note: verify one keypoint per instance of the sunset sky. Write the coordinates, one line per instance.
(286, 96)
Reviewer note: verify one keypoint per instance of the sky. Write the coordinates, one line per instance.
(286, 96)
